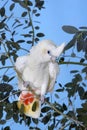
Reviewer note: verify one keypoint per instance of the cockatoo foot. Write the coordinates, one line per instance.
(42, 98)
(26, 84)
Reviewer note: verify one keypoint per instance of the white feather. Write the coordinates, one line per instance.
(38, 67)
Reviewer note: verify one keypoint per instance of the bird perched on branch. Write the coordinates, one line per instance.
(37, 73)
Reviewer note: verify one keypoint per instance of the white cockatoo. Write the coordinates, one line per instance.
(38, 70)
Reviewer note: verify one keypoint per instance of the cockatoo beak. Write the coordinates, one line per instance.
(57, 52)
(30, 105)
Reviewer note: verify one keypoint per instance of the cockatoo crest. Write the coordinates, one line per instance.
(39, 69)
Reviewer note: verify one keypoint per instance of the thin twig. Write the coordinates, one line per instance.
(12, 95)
(60, 63)
(72, 63)
(9, 96)
(7, 53)
(64, 115)
(31, 23)
(5, 67)
(52, 106)
(30, 89)
(62, 128)
(33, 34)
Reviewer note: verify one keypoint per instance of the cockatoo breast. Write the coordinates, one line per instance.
(36, 74)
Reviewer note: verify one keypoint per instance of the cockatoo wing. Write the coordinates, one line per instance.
(31, 105)
(53, 72)
(21, 63)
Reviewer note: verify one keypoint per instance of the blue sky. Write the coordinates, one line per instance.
(56, 14)
(62, 12)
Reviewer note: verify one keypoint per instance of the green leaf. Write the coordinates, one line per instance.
(1, 108)
(60, 85)
(10, 79)
(4, 87)
(3, 35)
(7, 128)
(60, 90)
(15, 117)
(29, 3)
(20, 41)
(56, 95)
(35, 120)
(3, 59)
(34, 11)
(78, 77)
(2, 25)
(73, 54)
(39, 4)
(82, 60)
(15, 57)
(74, 71)
(22, 109)
(84, 105)
(81, 92)
(29, 42)
(71, 113)
(16, 1)
(24, 14)
(84, 70)
(35, 106)
(61, 59)
(26, 35)
(70, 29)
(36, 39)
(64, 106)
(51, 127)
(46, 119)
(83, 27)
(40, 35)
(17, 26)
(8, 114)
(23, 4)
(80, 45)
(2, 11)
(37, 27)
(45, 109)
(5, 78)
(69, 84)
(73, 126)
(15, 45)
(70, 44)
(12, 6)
(38, 14)
(2, 122)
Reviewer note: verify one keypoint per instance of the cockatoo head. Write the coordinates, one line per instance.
(47, 51)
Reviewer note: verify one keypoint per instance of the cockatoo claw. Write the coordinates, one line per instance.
(26, 84)
(42, 98)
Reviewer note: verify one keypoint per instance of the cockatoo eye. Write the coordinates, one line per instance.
(48, 52)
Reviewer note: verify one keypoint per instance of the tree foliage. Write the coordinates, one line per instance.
(19, 31)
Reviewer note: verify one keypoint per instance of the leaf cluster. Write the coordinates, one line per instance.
(19, 32)
(79, 39)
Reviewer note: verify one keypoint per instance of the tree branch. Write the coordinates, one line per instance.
(52, 106)
(72, 63)
(33, 34)
(9, 96)
(31, 23)
(5, 67)
(64, 115)
(60, 63)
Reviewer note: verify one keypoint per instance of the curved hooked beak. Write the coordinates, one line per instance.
(57, 52)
